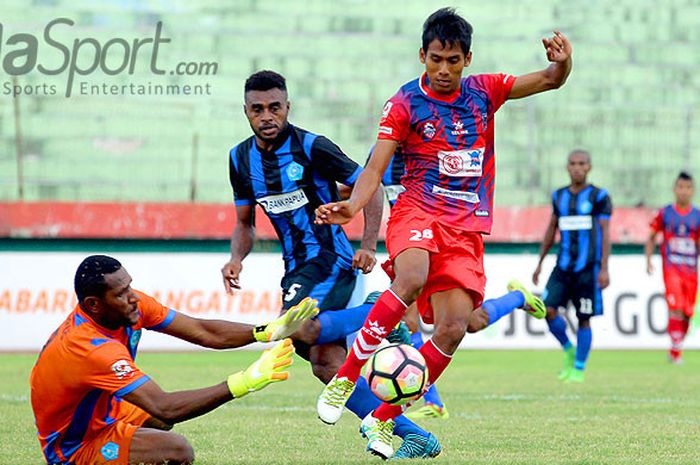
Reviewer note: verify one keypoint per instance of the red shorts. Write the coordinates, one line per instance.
(456, 256)
(681, 291)
(111, 445)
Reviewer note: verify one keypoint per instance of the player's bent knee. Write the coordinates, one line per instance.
(451, 334)
(181, 451)
(324, 372)
(326, 360)
(409, 284)
(159, 447)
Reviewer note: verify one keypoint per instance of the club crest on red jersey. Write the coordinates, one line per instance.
(429, 130)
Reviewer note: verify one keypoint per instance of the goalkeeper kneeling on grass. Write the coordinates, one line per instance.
(94, 406)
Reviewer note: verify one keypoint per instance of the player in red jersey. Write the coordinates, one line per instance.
(93, 405)
(680, 225)
(445, 125)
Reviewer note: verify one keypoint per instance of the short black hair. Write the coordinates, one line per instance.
(265, 80)
(90, 275)
(684, 176)
(448, 27)
(582, 152)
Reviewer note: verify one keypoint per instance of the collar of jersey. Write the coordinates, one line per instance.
(682, 211)
(281, 139)
(112, 333)
(587, 186)
(424, 85)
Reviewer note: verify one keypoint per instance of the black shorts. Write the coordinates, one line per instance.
(578, 287)
(322, 279)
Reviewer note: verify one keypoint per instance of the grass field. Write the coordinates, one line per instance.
(506, 408)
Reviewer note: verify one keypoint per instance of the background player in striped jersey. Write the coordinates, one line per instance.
(445, 125)
(489, 313)
(581, 212)
(679, 225)
(289, 172)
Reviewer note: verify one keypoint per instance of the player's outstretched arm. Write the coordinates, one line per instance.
(221, 334)
(364, 190)
(606, 246)
(559, 51)
(242, 240)
(649, 247)
(365, 256)
(547, 244)
(175, 407)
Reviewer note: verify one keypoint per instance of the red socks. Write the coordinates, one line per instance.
(436, 361)
(385, 314)
(677, 329)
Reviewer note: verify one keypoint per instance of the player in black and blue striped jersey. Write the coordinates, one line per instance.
(581, 212)
(289, 172)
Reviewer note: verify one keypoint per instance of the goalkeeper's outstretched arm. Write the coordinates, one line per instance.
(174, 407)
(220, 334)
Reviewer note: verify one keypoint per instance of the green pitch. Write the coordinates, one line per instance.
(505, 408)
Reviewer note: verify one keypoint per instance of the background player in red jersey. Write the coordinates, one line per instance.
(445, 124)
(680, 225)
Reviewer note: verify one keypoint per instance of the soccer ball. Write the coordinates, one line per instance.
(397, 374)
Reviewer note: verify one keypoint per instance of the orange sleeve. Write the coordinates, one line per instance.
(110, 367)
(154, 315)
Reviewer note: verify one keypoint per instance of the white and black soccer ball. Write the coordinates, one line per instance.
(397, 373)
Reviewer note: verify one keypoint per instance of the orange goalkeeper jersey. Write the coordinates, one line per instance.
(81, 375)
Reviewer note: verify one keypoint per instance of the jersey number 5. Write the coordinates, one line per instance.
(291, 292)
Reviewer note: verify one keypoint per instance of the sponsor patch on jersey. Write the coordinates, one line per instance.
(481, 213)
(682, 260)
(122, 369)
(471, 197)
(462, 163)
(385, 130)
(682, 245)
(281, 203)
(295, 171)
(393, 191)
(575, 222)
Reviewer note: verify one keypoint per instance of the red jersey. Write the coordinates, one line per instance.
(448, 146)
(681, 231)
(81, 375)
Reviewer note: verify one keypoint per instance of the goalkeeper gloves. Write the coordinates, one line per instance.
(269, 368)
(287, 324)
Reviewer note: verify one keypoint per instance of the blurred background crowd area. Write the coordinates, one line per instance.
(632, 99)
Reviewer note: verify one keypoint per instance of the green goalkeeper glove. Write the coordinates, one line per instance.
(287, 324)
(267, 369)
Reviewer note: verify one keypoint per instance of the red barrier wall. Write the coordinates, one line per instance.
(216, 221)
